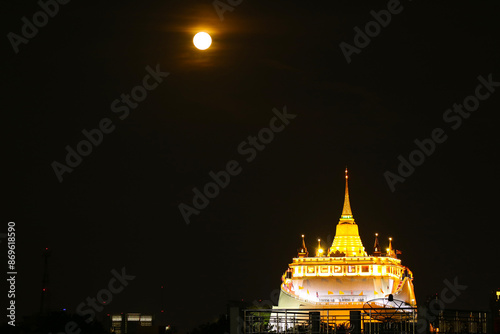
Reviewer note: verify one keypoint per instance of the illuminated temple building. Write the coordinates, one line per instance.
(344, 275)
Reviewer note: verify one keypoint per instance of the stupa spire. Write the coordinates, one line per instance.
(347, 240)
(346, 211)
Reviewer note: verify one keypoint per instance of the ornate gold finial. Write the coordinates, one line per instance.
(319, 251)
(390, 251)
(346, 211)
(303, 250)
(376, 246)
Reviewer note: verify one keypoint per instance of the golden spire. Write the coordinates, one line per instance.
(303, 250)
(390, 251)
(319, 251)
(376, 246)
(347, 240)
(346, 211)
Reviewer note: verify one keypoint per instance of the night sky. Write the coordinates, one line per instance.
(119, 207)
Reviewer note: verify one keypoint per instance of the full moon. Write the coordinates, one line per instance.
(202, 40)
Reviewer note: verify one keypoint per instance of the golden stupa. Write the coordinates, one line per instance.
(345, 276)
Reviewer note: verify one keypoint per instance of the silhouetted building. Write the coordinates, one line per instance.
(495, 311)
(132, 323)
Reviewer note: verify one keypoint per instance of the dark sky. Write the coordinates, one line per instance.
(119, 207)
